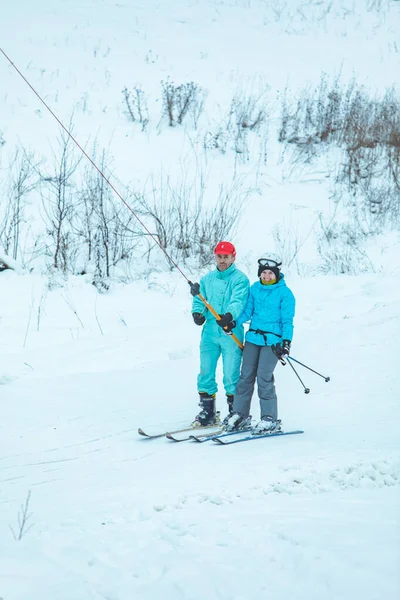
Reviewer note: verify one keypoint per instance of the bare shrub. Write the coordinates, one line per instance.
(371, 161)
(217, 140)
(22, 520)
(136, 106)
(185, 227)
(106, 229)
(179, 101)
(247, 113)
(316, 116)
(250, 111)
(220, 221)
(365, 128)
(310, 16)
(342, 114)
(340, 246)
(289, 241)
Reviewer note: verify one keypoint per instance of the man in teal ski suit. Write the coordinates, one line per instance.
(226, 289)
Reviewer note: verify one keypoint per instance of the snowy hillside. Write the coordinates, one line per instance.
(88, 509)
(114, 516)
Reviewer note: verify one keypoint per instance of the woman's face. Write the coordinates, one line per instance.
(267, 275)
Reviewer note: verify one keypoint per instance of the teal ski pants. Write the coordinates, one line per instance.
(214, 344)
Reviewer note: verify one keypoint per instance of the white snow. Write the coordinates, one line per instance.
(113, 516)
(117, 516)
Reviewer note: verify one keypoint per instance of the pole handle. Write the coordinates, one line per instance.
(216, 315)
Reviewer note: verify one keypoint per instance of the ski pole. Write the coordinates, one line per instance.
(306, 389)
(309, 368)
(195, 291)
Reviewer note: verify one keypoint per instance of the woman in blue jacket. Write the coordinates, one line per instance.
(271, 307)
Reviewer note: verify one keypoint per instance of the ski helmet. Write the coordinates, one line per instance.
(271, 264)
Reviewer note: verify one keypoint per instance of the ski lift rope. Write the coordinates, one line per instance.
(95, 166)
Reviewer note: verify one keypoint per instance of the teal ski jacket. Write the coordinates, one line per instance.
(226, 291)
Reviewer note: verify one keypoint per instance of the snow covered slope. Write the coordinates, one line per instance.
(112, 516)
(116, 516)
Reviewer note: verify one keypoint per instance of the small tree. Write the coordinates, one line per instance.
(22, 181)
(60, 203)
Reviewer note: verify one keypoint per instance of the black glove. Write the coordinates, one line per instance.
(285, 347)
(225, 320)
(281, 350)
(194, 288)
(228, 328)
(198, 318)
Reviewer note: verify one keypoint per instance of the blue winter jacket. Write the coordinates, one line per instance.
(271, 309)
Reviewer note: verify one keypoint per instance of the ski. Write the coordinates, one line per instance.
(175, 431)
(206, 437)
(174, 436)
(247, 438)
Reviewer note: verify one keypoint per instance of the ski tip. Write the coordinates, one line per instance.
(170, 437)
(148, 436)
(199, 438)
(217, 440)
(294, 432)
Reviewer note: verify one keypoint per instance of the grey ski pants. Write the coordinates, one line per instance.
(258, 362)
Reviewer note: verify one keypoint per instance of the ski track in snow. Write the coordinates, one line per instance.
(117, 516)
(47, 466)
(132, 547)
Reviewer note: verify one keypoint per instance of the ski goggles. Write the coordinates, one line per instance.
(268, 263)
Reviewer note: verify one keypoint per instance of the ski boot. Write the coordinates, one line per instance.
(230, 399)
(208, 414)
(236, 422)
(267, 425)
